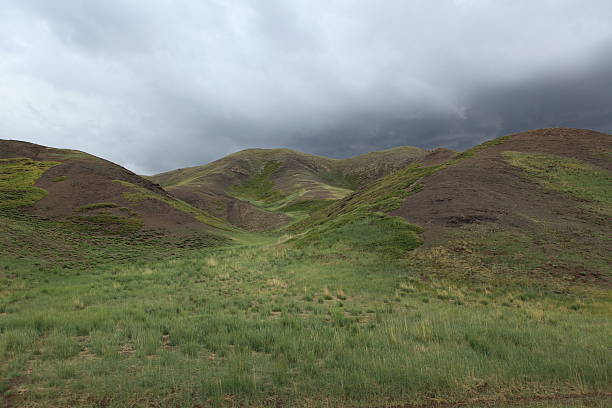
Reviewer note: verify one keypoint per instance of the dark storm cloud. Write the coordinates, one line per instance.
(581, 98)
(156, 85)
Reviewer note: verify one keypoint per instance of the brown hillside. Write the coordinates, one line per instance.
(537, 203)
(101, 194)
(486, 187)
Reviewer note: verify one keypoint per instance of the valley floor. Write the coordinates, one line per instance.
(274, 325)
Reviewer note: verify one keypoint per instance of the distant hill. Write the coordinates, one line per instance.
(256, 188)
(91, 192)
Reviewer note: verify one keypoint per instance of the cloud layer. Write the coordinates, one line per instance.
(161, 84)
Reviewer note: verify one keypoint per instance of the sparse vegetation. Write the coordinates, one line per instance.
(107, 223)
(277, 179)
(306, 206)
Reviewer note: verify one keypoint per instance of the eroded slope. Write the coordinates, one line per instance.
(255, 188)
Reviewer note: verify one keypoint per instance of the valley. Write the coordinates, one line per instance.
(403, 278)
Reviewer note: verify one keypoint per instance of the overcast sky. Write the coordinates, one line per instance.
(160, 84)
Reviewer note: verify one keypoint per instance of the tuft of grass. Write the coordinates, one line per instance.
(17, 178)
(59, 178)
(59, 345)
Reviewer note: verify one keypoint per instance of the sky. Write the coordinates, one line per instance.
(156, 85)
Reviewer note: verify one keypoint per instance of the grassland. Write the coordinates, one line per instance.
(323, 325)
(345, 308)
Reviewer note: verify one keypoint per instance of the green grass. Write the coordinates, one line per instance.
(579, 179)
(17, 178)
(68, 154)
(279, 325)
(361, 219)
(60, 178)
(31, 245)
(340, 178)
(390, 237)
(259, 187)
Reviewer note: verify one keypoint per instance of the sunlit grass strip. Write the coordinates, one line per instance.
(577, 178)
(17, 178)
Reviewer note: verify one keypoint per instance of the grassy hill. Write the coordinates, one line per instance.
(477, 279)
(260, 189)
(57, 204)
(538, 202)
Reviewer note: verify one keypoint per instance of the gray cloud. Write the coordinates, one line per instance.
(156, 85)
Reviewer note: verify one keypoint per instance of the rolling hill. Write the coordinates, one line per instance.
(541, 199)
(61, 204)
(256, 188)
(406, 278)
